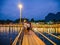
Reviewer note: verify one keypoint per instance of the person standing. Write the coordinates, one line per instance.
(25, 27)
(29, 28)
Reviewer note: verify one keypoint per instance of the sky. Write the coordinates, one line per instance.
(36, 9)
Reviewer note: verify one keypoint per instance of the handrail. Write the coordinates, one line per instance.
(53, 35)
(16, 39)
(47, 39)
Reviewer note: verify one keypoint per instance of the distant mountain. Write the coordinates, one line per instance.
(53, 17)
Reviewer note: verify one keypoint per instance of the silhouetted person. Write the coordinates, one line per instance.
(28, 26)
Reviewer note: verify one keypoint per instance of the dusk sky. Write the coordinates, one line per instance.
(36, 9)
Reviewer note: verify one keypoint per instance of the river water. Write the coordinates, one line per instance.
(7, 34)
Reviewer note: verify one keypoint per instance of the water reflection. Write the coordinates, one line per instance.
(7, 33)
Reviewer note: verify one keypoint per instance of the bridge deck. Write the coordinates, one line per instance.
(32, 39)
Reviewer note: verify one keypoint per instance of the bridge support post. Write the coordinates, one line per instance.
(56, 30)
(48, 30)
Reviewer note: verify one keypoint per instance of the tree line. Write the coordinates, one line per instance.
(50, 17)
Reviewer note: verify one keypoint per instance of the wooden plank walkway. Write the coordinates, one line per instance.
(32, 39)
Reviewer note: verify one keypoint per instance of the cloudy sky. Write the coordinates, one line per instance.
(36, 9)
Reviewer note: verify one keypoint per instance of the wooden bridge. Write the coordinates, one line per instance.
(30, 38)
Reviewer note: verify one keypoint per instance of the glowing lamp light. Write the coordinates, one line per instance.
(20, 6)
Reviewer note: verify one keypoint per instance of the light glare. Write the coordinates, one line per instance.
(20, 5)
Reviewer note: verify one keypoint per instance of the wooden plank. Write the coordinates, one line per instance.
(25, 40)
(32, 39)
(38, 40)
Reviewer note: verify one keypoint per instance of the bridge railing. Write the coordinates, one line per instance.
(17, 38)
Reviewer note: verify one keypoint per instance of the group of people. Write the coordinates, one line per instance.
(27, 27)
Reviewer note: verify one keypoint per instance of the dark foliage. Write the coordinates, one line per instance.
(53, 17)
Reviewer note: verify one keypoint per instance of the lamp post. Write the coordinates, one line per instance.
(20, 7)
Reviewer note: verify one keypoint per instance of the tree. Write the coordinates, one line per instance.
(32, 20)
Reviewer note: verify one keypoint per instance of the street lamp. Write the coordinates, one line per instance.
(20, 7)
